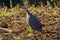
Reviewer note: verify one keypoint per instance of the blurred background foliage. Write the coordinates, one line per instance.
(13, 3)
(14, 16)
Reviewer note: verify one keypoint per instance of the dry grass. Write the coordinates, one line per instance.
(15, 19)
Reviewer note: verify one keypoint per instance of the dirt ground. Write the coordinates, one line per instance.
(17, 23)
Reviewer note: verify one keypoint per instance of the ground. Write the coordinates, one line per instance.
(49, 17)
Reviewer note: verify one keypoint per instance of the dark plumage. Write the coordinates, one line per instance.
(32, 21)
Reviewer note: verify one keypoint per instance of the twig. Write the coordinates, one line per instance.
(8, 30)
